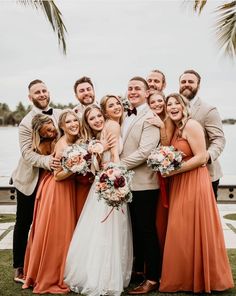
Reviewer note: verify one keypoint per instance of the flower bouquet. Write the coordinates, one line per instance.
(95, 146)
(113, 185)
(125, 103)
(165, 159)
(76, 159)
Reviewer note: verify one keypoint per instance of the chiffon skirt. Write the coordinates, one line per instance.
(100, 255)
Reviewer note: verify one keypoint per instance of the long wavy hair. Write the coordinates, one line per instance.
(37, 123)
(159, 93)
(103, 106)
(88, 132)
(62, 120)
(186, 112)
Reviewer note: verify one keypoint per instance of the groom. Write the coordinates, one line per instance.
(139, 138)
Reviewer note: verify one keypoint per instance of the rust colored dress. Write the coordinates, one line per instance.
(53, 224)
(195, 257)
(83, 185)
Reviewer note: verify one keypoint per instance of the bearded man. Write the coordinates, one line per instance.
(209, 118)
(26, 176)
(156, 81)
(84, 92)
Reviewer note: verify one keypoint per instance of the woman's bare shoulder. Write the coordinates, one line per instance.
(112, 125)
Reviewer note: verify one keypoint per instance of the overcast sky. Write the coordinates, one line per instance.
(112, 41)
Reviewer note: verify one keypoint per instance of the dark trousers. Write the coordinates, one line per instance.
(24, 217)
(145, 241)
(215, 185)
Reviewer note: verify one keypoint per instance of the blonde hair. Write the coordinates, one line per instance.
(184, 103)
(62, 120)
(88, 132)
(37, 123)
(103, 104)
(159, 93)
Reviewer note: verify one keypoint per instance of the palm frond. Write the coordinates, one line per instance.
(226, 28)
(54, 17)
(199, 4)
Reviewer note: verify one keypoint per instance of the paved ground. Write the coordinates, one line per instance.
(229, 226)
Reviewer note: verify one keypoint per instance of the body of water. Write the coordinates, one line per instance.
(10, 153)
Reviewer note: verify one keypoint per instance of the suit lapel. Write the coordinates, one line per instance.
(137, 118)
(195, 107)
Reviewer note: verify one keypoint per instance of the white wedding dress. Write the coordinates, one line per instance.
(100, 256)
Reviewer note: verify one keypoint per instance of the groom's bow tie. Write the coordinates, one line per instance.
(48, 112)
(132, 111)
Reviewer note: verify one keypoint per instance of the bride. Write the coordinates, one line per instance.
(100, 255)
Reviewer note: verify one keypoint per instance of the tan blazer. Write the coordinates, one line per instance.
(25, 176)
(210, 120)
(138, 142)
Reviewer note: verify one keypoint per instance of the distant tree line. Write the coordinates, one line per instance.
(9, 117)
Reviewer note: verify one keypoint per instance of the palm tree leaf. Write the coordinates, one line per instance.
(199, 4)
(226, 28)
(54, 17)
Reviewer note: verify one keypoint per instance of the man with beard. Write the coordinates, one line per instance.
(156, 81)
(84, 92)
(25, 177)
(209, 118)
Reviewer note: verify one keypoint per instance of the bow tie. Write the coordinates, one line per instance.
(132, 111)
(49, 112)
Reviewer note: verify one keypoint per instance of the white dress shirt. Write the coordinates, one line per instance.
(129, 119)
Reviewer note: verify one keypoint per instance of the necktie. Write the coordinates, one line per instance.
(132, 111)
(48, 112)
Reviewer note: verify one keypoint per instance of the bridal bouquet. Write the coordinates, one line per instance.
(125, 103)
(165, 159)
(76, 159)
(113, 185)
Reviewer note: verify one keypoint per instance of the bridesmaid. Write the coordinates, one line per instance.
(54, 219)
(156, 102)
(195, 257)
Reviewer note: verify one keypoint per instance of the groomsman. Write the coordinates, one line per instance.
(85, 94)
(156, 81)
(209, 118)
(25, 177)
(139, 138)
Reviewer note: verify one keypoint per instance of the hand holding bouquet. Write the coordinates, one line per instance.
(165, 159)
(113, 185)
(76, 159)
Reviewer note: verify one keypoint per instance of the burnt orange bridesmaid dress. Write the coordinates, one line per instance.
(195, 257)
(83, 185)
(53, 224)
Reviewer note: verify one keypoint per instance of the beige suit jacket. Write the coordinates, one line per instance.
(25, 176)
(138, 142)
(210, 120)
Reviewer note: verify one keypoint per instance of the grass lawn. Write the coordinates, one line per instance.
(5, 218)
(9, 288)
(230, 216)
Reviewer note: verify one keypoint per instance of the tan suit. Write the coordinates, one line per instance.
(210, 120)
(25, 176)
(140, 139)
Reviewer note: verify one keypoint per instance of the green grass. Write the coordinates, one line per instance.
(230, 216)
(9, 288)
(5, 218)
